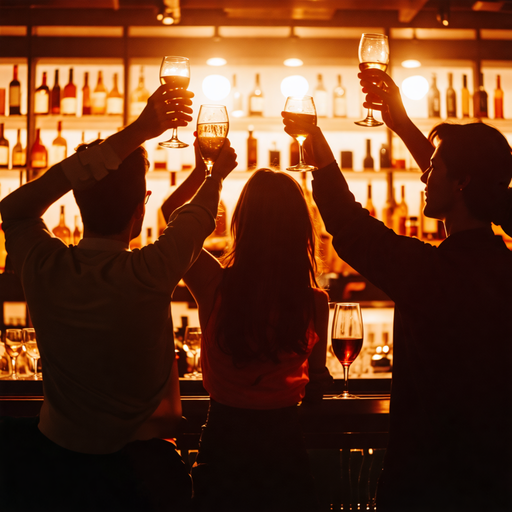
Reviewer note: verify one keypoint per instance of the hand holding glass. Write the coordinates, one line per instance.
(212, 130)
(347, 338)
(303, 109)
(175, 71)
(14, 346)
(373, 53)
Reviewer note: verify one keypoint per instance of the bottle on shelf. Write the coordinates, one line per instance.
(252, 150)
(434, 99)
(369, 203)
(480, 100)
(294, 152)
(368, 160)
(77, 234)
(68, 103)
(390, 204)
(274, 156)
(42, 98)
(149, 236)
(320, 97)
(4, 148)
(339, 100)
(451, 98)
(115, 100)
(384, 158)
(59, 147)
(256, 99)
(55, 95)
(428, 226)
(18, 153)
(400, 215)
(140, 96)
(498, 99)
(412, 226)
(15, 93)
(99, 97)
(238, 108)
(3, 251)
(466, 97)
(160, 158)
(61, 230)
(2, 102)
(86, 96)
(38, 156)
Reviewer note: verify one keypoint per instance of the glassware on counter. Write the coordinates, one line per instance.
(29, 339)
(192, 347)
(14, 346)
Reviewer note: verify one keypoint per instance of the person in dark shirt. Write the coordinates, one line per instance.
(450, 443)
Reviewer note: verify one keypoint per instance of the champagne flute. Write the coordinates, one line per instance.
(347, 338)
(14, 346)
(175, 71)
(29, 339)
(212, 130)
(373, 53)
(192, 345)
(303, 109)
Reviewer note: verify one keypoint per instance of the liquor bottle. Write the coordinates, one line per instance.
(339, 100)
(115, 100)
(160, 158)
(369, 203)
(320, 98)
(384, 158)
(55, 96)
(480, 100)
(434, 99)
(294, 152)
(18, 153)
(466, 97)
(3, 251)
(38, 155)
(149, 236)
(390, 204)
(252, 150)
(59, 147)
(256, 99)
(4, 148)
(69, 97)
(42, 98)
(274, 156)
(15, 93)
(451, 98)
(61, 230)
(140, 96)
(238, 108)
(400, 215)
(498, 99)
(99, 97)
(412, 226)
(77, 234)
(428, 226)
(368, 160)
(86, 96)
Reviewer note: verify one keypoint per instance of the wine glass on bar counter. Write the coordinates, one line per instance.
(373, 53)
(175, 71)
(192, 346)
(304, 109)
(29, 338)
(14, 346)
(347, 338)
(212, 130)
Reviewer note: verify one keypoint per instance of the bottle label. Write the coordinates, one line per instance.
(320, 99)
(18, 158)
(14, 96)
(57, 154)
(41, 102)
(68, 106)
(99, 103)
(257, 105)
(4, 156)
(115, 106)
(39, 161)
(340, 107)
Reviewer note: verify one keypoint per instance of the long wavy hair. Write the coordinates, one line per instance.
(266, 298)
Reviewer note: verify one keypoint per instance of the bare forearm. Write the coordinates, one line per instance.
(418, 145)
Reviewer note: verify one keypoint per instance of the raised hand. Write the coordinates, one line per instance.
(226, 161)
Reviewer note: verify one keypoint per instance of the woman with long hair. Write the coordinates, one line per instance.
(264, 324)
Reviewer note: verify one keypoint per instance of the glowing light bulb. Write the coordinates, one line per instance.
(295, 85)
(293, 63)
(415, 87)
(216, 87)
(216, 61)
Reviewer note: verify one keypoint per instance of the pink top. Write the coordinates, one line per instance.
(258, 385)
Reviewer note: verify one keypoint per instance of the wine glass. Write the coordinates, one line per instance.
(347, 338)
(29, 339)
(192, 345)
(373, 53)
(14, 346)
(212, 130)
(175, 71)
(303, 109)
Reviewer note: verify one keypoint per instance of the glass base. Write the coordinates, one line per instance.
(346, 395)
(302, 168)
(173, 144)
(369, 121)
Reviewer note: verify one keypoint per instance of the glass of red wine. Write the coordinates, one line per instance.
(373, 53)
(175, 71)
(212, 130)
(347, 338)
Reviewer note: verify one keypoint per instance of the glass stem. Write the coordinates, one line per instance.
(346, 369)
(301, 152)
(174, 134)
(14, 367)
(370, 114)
(35, 368)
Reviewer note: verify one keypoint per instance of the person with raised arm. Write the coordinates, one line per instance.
(104, 330)
(450, 447)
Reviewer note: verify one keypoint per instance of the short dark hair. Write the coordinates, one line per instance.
(482, 152)
(107, 207)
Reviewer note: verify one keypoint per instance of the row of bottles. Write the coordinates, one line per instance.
(480, 99)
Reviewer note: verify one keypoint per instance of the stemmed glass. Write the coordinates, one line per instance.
(373, 53)
(303, 109)
(29, 339)
(175, 71)
(14, 346)
(347, 338)
(212, 130)
(192, 342)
